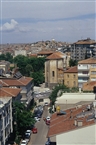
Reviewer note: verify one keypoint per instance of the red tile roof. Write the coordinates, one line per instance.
(86, 41)
(62, 124)
(9, 92)
(56, 55)
(44, 52)
(89, 86)
(13, 82)
(71, 70)
(88, 61)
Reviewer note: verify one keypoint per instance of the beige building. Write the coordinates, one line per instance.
(71, 77)
(53, 62)
(86, 71)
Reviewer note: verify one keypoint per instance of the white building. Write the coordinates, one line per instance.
(5, 119)
(20, 52)
(86, 71)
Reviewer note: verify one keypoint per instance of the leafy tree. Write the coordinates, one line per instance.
(38, 77)
(21, 62)
(73, 62)
(55, 91)
(24, 118)
(2, 57)
(9, 57)
(28, 69)
(6, 57)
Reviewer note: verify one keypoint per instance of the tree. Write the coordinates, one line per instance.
(2, 57)
(73, 62)
(6, 57)
(55, 91)
(9, 57)
(38, 77)
(21, 62)
(28, 69)
(24, 118)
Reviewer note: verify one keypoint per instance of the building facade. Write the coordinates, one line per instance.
(82, 49)
(25, 84)
(6, 127)
(86, 71)
(71, 77)
(53, 63)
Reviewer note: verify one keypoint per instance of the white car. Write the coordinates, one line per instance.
(48, 118)
(24, 142)
(37, 119)
(28, 132)
(46, 104)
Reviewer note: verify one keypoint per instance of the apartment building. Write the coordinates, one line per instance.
(25, 84)
(71, 77)
(5, 119)
(86, 71)
(20, 52)
(82, 49)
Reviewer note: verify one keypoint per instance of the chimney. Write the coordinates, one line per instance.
(79, 123)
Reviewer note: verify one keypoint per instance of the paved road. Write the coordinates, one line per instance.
(40, 137)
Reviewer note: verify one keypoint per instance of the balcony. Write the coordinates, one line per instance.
(82, 80)
(81, 67)
(83, 75)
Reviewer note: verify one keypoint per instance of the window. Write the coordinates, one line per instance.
(93, 72)
(67, 82)
(74, 83)
(53, 73)
(67, 76)
(74, 76)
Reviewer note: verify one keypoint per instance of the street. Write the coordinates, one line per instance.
(40, 137)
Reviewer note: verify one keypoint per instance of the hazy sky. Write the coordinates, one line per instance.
(27, 21)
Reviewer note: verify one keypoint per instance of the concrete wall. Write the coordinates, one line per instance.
(80, 136)
(72, 98)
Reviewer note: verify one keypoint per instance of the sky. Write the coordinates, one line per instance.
(28, 21)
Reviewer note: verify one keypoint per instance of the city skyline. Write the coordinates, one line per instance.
(32, 21)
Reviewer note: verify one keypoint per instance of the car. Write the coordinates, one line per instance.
(40, 107)
(24, 142)
(37, 119)
(34, 129)
(39, 113)
(47, 122)
(46, 103)
(48, 118)
(27, 137)
(28, 132)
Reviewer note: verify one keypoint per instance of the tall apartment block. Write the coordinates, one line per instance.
(5, 119)
(86, 71)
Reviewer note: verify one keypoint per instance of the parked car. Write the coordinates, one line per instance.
(37, 119)
(48, 118)
(24, 142)
(28, 132)
(40, 107)
(34, 129)
(39, 113)
(27, 137)
(46, 104)
(47, 122)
